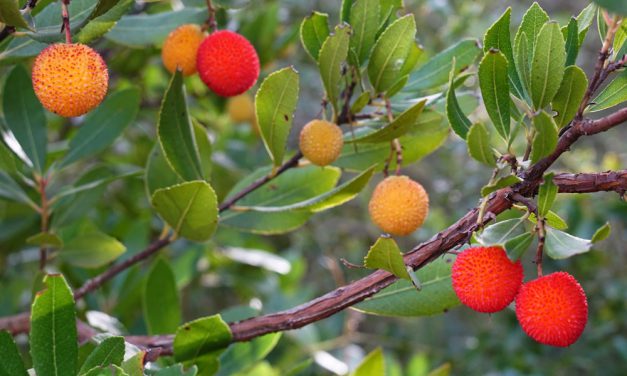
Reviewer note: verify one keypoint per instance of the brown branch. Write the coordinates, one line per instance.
(65, 15)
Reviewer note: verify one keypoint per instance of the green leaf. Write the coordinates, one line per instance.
(614, 94)
(10, 14)
(614, 6)
(436, 71)
(498, 37)
(25, 117)
(584, 20)
(523, 65)
(135, 365)
(190, 208)
(335, 197)
(333, 53)
(162, 306)
(151, 29)
(571, 36)
(620, 39)
(9, 189)
(506, 181)
(202, 340)
(103, 125)
(569, 96)
(314, 30)
(87, 185)
(395, 129)
(177, 370)
(390, 53)
(518, 245)
(386, 255)
(361, 102)
(602, 233)
(402, 299)
(547, 193)
(479, 145)
(552, 219)
(547, 65)
(10, 360)
(205, 149)
(45, 239)
(109, 352)
(561, 245)
(457, 119)
(241, 355)
(175, 132)
(104, 20)
(364, 20)
(529, 28)
(345, 10)
(545, 140)
(275, 104)
(91, 250)
(373, 364)
(53, 339)
(495, 90)
(112, 370)
(49, 23)
(500, 232)
(158, 173)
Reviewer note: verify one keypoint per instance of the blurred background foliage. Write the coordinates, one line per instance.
(239, 273)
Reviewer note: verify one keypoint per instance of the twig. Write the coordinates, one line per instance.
(45, 215)
(65, 14)
(540, 228)
(211, 23)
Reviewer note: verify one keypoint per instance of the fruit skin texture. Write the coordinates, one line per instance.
(227, 63)
(241, 109)
(321, 142)
(399, 205)
(553, 309)
(180, 49)
(485, 279)
(70, 79)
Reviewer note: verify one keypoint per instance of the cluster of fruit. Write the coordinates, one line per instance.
(552, 309)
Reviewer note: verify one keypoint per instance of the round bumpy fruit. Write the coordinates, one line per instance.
(180, 49)
(321, 142)
(227, 63)
(399, 205)
(241, 109)
(553, 309)
(70, 79)
(485, 279)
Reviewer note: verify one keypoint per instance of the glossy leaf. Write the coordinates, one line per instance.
(333, 53)
(602, 233)
(105, 19)
(494, 86)
(134, 366)
(314, 30)
(561, 245)
(386, 255)
(110, 351)
(9, 189)
(10, 360)
(547, 65)
(91, 249)
(49, 23)
(552, 219)
(571, 36)
(457, 119)
(364, 20)
(177, 370)
(53, 338)
(547, 193)
(45, 239)
(523, 65)
(569, 96)
(275, 104)
(402, 124)
(612, 95)
(241, 355)
(162, 306)
(479, 145)
(24, 116)
(518, 245)
(158, 173)
(584, 20)
(545, 140)
(204, 336)
(402, 299)
(10, 14)
(529, 28)
(614, 6)
(372, 364)
(506, 181)
(501, 232)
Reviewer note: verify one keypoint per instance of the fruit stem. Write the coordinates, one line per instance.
(65, 14)
(541, 238)
(211, 23)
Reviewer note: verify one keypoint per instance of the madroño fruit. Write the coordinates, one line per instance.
(553, 309)
(70, 79)
(399, 205)
(181, 47)
(321, 142)
(485, 279)
(227, 63)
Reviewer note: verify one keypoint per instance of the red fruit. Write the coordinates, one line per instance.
(485, 279)
(553, 309)
(227, 63)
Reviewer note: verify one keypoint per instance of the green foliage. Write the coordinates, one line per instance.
(90, 248)
(314, 30)
(547, 65)
(10, 13)
(479, 145)
(618, 7)
(373, 364)
(10, 361)
(545, 138)
(333, 53)
(495, 90)
(386, 255)
(202, 339)
(569, 96)
(400, 126)
(612, 95)
(456, 117)
(109, 352)
(364, 19)
(162, 307)
(547, 193)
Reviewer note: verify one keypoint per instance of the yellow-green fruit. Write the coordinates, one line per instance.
(181, 47)
(399, 205)
(321, 142)
(70, 79)
(241, 109)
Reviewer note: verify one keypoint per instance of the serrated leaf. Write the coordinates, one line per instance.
(552, 219)
(390, 53)
(457, 119)
(333, 53)
(602, 233)
(45, 239)
(499, 233)
(530, 26)
(569, 96)
(614, 6)
(402, 299)
(494, 86)
(103, 20)
(547, 193)
(395, 129)
(10, 14)
(91, 250)
(190, 208)
(614, 94)
(175, 132)
(161, 303)
(479, 145)
(560, 245)
(545, 140)
(435, 72)
(53, 338)
(24, 116)
(571, 36)
(204, 336)
(11, 363)
(109, 352)
(314, 30)
(518, 245)
(506, 181)
(386, 255)
(275, 104)
(364, 20)
(547, 65)
(372, 364)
